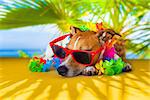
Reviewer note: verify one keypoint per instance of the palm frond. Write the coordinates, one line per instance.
(124, 16)
(29, 13)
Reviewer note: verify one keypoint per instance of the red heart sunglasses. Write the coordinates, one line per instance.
(80, 56)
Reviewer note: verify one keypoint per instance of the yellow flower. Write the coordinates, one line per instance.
(99, 64)
(102, 69)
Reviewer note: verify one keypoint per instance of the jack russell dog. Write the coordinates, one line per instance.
(89, 41)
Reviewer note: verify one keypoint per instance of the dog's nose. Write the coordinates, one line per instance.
(62, 70)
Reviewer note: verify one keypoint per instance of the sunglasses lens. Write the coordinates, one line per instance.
(59, 52)
(82, 57)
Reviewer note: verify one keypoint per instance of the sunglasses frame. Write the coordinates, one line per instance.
(70, 52)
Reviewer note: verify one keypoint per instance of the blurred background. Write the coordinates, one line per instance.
(27, 26)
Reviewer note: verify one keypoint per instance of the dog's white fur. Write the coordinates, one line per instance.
(76, 42)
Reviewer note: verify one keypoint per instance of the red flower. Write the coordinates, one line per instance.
(42, 61)
(35, 57)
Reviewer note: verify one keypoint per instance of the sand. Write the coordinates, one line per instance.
(18, 83)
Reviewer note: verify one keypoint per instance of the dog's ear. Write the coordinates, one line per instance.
(74, 30)
(118, 34)
(109, 31)
(99, 33)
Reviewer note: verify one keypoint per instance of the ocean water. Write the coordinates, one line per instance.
(34, 52)
(18, 53)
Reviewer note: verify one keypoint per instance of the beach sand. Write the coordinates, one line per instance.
(18, 83)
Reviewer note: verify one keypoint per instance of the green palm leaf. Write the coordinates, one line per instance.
(124, 16)
(29, 13)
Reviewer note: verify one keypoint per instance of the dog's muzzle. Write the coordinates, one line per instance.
(62, 70)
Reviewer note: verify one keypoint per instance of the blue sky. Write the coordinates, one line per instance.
(37, 37)
(34, 37)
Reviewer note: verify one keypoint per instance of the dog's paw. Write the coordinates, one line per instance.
(127, 68)
(90, 71)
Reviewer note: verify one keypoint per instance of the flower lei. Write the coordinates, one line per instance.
(41, 65)
(111, 67)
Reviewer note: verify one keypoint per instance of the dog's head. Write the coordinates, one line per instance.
(80, 40)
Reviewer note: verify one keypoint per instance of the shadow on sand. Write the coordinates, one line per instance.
(17, 82)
